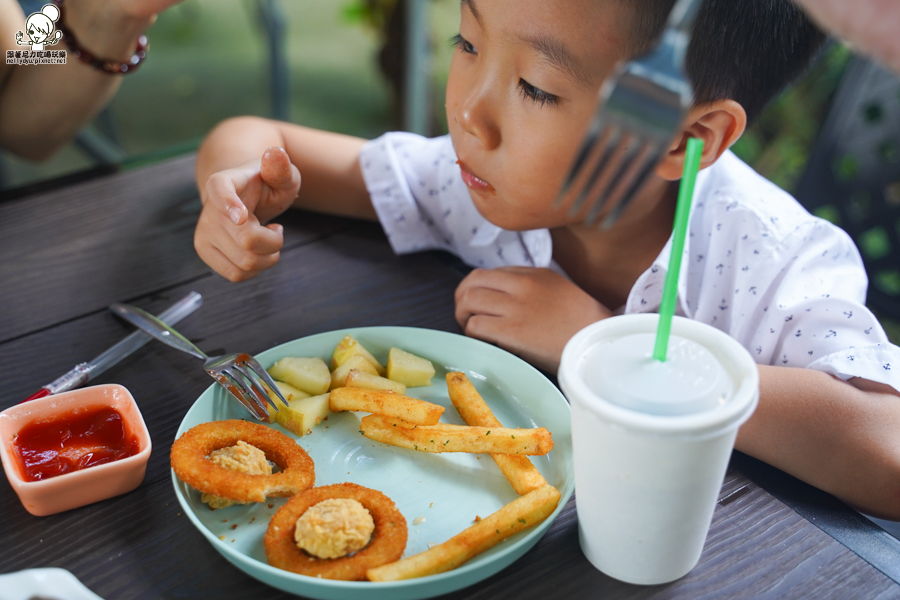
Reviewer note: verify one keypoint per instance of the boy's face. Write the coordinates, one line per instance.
(523, 85)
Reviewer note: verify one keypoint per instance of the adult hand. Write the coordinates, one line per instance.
(231, 235)
(110, 28)
(870, 25)
(530, 312)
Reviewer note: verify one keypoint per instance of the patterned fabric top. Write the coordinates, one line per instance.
(788, 286)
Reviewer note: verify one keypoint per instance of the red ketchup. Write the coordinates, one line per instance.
(73, 441)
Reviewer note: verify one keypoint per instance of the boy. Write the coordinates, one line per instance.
(521, 90)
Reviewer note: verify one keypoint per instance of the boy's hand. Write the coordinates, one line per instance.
(231, 236)
(530, 312)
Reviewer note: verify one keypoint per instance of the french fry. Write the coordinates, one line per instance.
(455, 438)
(523, 512)
(518, 470)
(381, 402)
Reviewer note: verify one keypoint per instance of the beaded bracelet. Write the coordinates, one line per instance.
(111, 67)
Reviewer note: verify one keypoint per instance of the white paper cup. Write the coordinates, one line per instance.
(646, 485)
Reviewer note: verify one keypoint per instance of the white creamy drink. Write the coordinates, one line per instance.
(652, 439)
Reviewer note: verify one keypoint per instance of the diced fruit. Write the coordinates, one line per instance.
(289, 392)
(354, 363)
(348, 347)
(310, 375)
(409, 369)
(361, 379)
(302, 415)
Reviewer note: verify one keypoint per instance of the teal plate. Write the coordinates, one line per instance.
(439, 494)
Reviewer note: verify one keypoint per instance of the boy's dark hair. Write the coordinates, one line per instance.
(743, 50)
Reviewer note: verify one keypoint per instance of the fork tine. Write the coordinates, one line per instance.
(610, 151)
(611, 193)
(231, 386)
(254, 365)
(596, 130)
(249, 396)
(258, 390)
(607, 192)
(651, 158)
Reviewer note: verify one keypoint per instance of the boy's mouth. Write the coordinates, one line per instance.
(472, 180)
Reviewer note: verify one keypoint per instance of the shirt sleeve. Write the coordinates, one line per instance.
(802, 302)
(423, 204)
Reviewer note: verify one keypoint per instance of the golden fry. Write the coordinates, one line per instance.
(518, 470)
(381, 402)
(523, 512)
(456, 438)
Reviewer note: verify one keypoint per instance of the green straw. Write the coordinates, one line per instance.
(682, 212)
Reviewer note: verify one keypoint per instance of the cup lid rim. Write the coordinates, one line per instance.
(697, 425)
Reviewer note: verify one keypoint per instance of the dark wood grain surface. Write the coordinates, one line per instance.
(65, 255)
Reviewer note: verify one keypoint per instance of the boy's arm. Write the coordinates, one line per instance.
(841, 437)
(248, 172)
(328, 162)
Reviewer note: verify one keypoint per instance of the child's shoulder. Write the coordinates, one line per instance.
(731, 196)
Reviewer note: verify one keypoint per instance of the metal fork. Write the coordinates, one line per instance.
(641, 108)
(240, 374)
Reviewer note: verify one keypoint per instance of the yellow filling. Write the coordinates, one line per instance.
(243, 458)
(334, 528)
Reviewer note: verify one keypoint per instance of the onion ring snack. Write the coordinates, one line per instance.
(189, 461)
(387, 544)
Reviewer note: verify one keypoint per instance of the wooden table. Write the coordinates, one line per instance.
(65, 255)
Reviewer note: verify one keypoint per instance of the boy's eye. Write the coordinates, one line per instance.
(463, 44)
(537, 95)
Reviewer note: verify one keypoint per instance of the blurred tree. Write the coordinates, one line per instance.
(778, 144)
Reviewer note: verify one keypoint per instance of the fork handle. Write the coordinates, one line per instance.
(150, 324)
(683, 15)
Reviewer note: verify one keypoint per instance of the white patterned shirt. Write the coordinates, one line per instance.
(788, 286)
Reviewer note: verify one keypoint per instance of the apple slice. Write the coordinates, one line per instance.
(356, 362)
(409, 369)
(348, 347)
(361, 379)
(289, 392)
(310, 375)
(303, 414)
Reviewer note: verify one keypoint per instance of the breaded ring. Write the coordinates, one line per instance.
(387, 544)
(189, 461)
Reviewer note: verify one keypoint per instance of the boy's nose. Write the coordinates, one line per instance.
(474, 116)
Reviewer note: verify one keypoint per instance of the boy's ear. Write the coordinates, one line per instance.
(719, 124)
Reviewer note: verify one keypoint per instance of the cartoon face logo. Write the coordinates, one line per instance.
(40, 28)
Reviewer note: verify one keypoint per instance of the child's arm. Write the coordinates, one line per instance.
(245, 180)
(841, 437)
